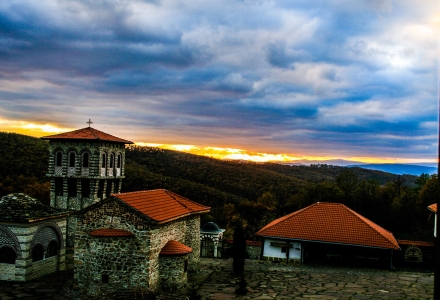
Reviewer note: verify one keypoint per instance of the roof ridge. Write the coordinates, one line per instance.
(180, 202)
(364, 219)
(283, 218)
(137, 192)
(91, 130)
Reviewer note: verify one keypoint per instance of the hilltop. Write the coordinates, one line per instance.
(255, 193)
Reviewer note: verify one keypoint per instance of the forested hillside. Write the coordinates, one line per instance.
(23, 166)
(255, 193)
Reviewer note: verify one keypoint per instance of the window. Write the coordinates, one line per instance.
(119, 161)
(112, 159)
(116, 186)
(71, 160)
(71, 187)
(58, 159)
(37, 253)
(284, 249)
(85, 160)
(58, 186)
(7, 255)
(85, 188)
(104, 160)
(109, 188)
(105, 278)
(52, 249)
(101, 189)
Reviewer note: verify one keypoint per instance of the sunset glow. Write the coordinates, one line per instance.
(32, 129)
(38, 130)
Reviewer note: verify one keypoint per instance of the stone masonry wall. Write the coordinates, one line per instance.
(131, 263)
(24, 269)
(174, 230)
(7, 272)
(94, 171)
(192, 239)
(43, 267)
(172, 272)
(124, 260)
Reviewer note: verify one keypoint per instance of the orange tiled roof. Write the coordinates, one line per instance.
(416, 243)
(87, 133)
(433, 207)
(161, 205)
(110, 232)
(175, 248)
(330, 223)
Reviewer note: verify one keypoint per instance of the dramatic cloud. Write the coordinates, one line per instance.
(330, 78)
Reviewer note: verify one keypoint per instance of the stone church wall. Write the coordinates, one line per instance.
(123, 260)
(24, 268)
(7, 272)
(192, 239)
(173, 274)
(129, 263)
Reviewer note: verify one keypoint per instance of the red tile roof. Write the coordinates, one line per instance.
(110, 232)
(87, 133)
(161, 205)
(433, 207)
(415, 243)
(175, 248)
(330, 223)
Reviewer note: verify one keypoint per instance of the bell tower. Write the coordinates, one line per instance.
(85, 166)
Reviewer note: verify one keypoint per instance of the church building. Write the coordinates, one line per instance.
(118, 241)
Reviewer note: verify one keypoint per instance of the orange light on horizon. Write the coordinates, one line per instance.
(32, 129)
(39, 130)
(240, 154)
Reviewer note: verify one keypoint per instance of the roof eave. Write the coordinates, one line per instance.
(324, 242)
(181, 216)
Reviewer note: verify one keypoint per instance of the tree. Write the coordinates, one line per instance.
(347, 181)
(239, 249)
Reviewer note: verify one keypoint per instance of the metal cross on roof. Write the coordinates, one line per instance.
(89, 122)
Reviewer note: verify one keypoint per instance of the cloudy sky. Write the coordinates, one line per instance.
(336, 78)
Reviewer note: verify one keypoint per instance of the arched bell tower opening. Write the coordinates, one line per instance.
(85, 166)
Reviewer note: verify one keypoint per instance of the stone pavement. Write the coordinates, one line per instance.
(265, 280)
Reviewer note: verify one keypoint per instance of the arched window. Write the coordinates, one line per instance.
(72, 160)
(58, 159)
(7, 255)
(85, 160)
(52, 249)
(104, 160)
(119, 161)
(112, 160)
(37, 252)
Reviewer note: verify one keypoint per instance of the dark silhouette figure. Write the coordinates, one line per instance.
(239, 249)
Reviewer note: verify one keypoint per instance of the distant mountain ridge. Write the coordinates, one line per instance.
(399, 169)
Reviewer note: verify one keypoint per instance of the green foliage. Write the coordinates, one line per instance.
(23, 155)
(23, 166)
(252, 193)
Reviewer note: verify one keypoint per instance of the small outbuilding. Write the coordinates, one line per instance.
(32, 238)
(211, 237)
(327, 232)
(137, 241)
